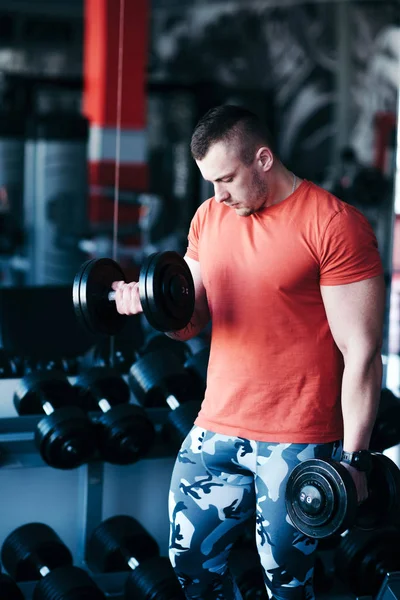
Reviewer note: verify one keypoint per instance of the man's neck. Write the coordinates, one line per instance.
(281, 185)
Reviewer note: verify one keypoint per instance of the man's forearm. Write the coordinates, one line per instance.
(361, 386)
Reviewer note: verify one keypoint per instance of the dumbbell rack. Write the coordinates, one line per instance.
(111, 584)
(18, 450)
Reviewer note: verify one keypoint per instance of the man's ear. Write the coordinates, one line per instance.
(265, 158)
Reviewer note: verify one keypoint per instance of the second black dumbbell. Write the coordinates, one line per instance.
(121, 543)
(124, 432)
(160, 379)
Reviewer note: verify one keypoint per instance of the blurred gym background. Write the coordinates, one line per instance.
(323, 73)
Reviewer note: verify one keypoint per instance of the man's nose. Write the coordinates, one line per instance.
(221, 195)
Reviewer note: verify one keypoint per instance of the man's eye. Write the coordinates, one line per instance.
(228, 180)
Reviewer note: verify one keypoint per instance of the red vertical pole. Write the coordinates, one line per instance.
(101, 48)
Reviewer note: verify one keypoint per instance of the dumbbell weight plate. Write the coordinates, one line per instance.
(321, 498)
(101, 382)
(382, 506)
(90, 290)
(386, 431)
(21, 548)
(34, 388)
(65, 439)
(166, 291)
(154, 580)
(159, 341)
(69, 583)
(179, 422)
(155, 376)
(364, 557)
(117, 539)
(125, 434)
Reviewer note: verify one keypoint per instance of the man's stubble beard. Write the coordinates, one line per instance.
(259, 190)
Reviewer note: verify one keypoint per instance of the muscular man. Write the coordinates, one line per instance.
(291, 279)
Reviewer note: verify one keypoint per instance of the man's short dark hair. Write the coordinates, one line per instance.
(230, 124)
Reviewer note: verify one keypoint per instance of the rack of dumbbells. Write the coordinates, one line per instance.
(82, 424)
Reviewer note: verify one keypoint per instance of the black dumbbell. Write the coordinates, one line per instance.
(9, 589)
(35, 552)
(365, 557)
(122, 544)
(65, 435)
(124, 432)
(321, 498)
(159, 341)
(159, 379)
(166, 292)
(386, 431)
(193, 354)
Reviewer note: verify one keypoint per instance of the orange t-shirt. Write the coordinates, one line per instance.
(275, 371)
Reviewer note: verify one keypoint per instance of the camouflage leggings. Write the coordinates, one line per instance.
(219, 482)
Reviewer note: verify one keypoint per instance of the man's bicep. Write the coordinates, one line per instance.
(201, 304)
(355, 312)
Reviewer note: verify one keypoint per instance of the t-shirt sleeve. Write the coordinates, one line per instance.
(349, 249)
(193, 237)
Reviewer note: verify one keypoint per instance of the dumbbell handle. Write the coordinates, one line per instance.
(48, 408)
(111, 295)
(172, 402)
(104, 405)
(133, 563)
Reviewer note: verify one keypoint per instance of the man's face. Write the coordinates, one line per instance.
(239, 186)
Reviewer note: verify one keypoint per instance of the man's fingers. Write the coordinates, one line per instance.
(127, 298)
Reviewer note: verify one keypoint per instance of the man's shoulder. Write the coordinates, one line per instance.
(327, 205)
(325, 199)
